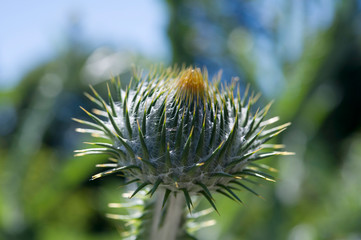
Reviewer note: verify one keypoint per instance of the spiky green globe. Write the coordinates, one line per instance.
(174, 129)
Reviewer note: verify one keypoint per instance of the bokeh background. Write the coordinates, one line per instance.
(306, 55)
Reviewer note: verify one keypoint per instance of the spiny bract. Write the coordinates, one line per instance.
(173, 129)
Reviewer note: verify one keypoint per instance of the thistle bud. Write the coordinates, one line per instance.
(177, 131)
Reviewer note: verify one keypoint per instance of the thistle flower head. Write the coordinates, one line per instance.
(175, 130)
(190, 83)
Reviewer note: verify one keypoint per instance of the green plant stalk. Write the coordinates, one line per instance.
(167, 221)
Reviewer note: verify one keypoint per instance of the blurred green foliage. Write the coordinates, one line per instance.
(45, 193)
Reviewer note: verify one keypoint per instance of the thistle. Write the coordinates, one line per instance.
(175, 132)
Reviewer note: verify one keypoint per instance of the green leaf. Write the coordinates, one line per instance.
(144, 122)
(245, 95)
(267, 138)
(139, 188)
(89, 151)
(100, 99)
(188, 199)
(152, 168)
(229, 140)
(127, 123)
(221, 174)
(199, 148)
(266, 155)
(100, 122)
(107, 145)
(274, 130)
(142, 142)
(163, 137)
(127, 147)
(214, 129)
(210, 200)
(165, 198)
(114, 170)
(111, 102)
(257, 174)
(211, 157)
(179, 133)
(245, 120)
(114, 124)
(90, 124)
(185, 153)
(168, 162)
(263, 166)
(225, 112)
(225, 194)
(129, 182)
(118, 88)
(155, 186)
(205, 189)
(247, 188)
(221, 128)
(250, 131)
(94, 100)
(241, 158)
(230, 191)
(249, 143)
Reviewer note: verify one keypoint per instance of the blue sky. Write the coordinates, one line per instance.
(32, 32)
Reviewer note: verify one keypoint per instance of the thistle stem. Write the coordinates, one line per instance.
(173, 214)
